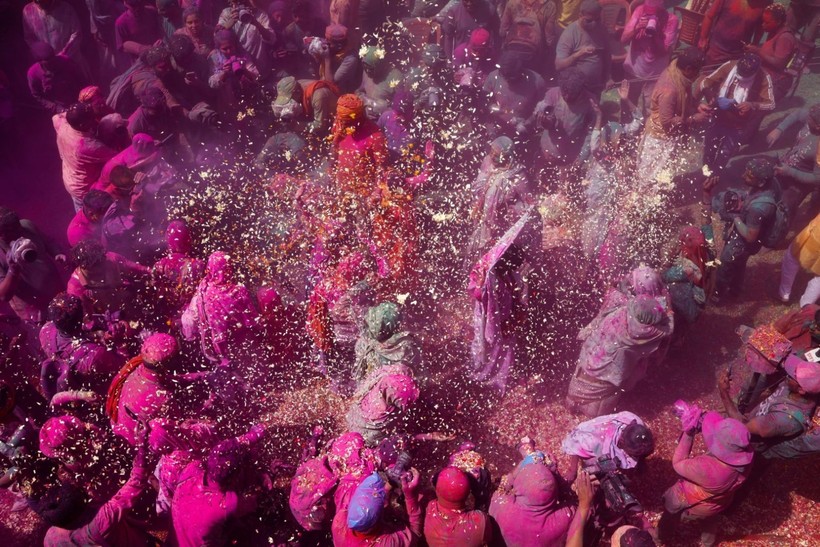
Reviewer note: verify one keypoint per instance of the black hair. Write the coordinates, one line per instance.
(87, 254)
(637, 538)
(637, 440)
(80, 116)
(690, 58)
(97, 201)
(66, 312)
(181, 47)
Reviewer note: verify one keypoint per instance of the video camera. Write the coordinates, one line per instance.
(21, 251)
(615, 487)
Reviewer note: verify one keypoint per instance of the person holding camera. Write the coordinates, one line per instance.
(787, 412)
(651, 34)
(747, 216)
(28, 268)
(622, 437)
(708, 482)
(234, 74)
(738, 93)
(251, 25)
(448, 519)
(532, 504)
(366, 518)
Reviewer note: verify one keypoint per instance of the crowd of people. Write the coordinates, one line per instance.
(267, 193)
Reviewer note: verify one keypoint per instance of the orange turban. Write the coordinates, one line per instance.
(88, 93)
(350, 107)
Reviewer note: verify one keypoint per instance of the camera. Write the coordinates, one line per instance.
(615, 487)
(22, 250)
(651, 26)
(400, 468)
(245, 16)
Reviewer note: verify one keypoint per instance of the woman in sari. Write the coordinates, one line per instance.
(616, 354)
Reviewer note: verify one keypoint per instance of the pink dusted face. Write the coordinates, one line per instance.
(227, 49)
(194, 24)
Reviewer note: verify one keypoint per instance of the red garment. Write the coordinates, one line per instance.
(361, 157)
(445, 527)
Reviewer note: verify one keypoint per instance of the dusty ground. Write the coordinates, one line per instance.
(780, 508)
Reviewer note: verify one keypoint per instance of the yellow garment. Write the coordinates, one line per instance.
(570, 12)
(806, 246)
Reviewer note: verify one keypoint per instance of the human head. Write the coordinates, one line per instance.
(80, 117)
(95, 204)
(88, 254)
(167, 8)
(10, 228)
(814, 119)
(726, 439)
(220, 267)
(645, 310)
(383, 320)
(134, 5)
(367, 504)
(774, 17)
(452, 488)
(572, 82)
(158, 349)
(535, 486)
(178, 237)
(288, 102)
(350, 110)
(645, 280)
(113, 130)
(590, 14)
(479, 44)
(278, 12)
(652, 7)
(225, 42)
(689, 62)
(192, 19)
(153, 101)
(759, 172)
(66, 312)
(471, 5)
(631, 536)
(69, 439)
(181, 48)
(225, 461)
(511, 65)
(636, 440)
(403, 103)
(122, 180)
(501, 151)
(805, 375)
(748, 65)
(374, 63)
(336, 36)
(93, 96)
(158, 58)
(300, 11)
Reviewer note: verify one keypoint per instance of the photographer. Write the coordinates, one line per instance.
(651, 34)
(531, 503)
(747, 217)
(234, 74)
(606, 447)
(366, 519)
(251, 26)
(739, 93)
(787, 412)
(708, 482)
(28, 272)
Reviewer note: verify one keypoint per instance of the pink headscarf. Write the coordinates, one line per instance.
(220, 268)
(348, 455)
(178, 237)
